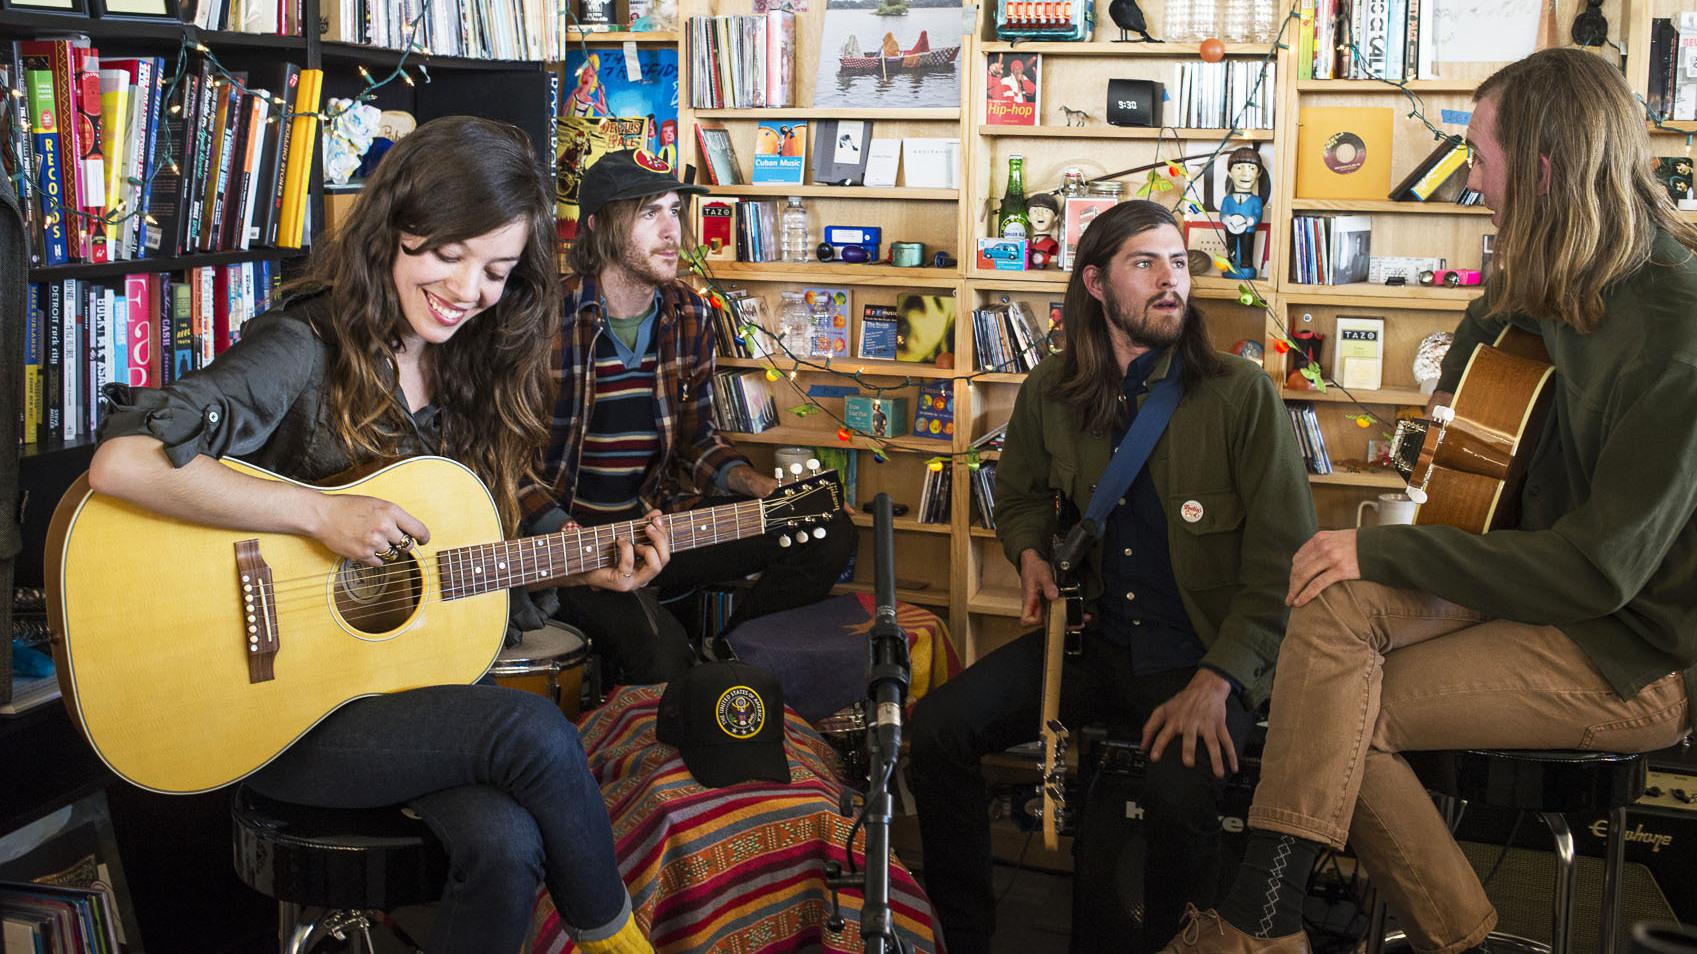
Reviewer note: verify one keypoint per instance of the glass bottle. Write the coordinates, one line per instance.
(796, 231)
(1204, 19)
(1234, 22)
(1263, 20)
(1175, 24)
(795, 325)
(1072, 182)
(1012, 220)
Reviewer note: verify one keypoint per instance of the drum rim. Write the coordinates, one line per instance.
(536, 662)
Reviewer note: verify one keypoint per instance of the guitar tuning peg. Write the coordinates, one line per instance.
(813, 464)
(801, 536)
(795, 469)
(778, 472)
(818, 533)
(784, 541)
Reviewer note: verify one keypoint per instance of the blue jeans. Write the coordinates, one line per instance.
(500, 776)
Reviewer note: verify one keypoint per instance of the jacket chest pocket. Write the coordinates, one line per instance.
(1207, 543)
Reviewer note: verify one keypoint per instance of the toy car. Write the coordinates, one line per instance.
(1452, 277)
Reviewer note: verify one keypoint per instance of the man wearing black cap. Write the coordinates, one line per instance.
(633, 424)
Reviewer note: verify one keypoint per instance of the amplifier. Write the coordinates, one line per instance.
(1107, 884)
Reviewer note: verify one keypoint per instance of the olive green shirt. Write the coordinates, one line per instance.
(1607, 545)
(1231, 452)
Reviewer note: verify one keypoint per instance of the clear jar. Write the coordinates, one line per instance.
(1176, 23)
(1235, 20)
(795, 325)
(796, 229)
(1108, 188)
(1204, 19)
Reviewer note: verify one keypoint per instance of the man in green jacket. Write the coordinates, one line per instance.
(1578, 630)
(1187, 580)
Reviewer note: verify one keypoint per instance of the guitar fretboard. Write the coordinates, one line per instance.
(472, 570)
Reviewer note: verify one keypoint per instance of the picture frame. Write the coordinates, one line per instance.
(135, 10)
(718, 154)
(68, 8)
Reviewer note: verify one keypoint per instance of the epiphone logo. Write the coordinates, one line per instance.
(1655, 839)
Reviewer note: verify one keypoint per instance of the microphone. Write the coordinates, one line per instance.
(888, 671)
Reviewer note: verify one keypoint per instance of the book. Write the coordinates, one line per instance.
(878, 333)
(1358, 357)
(780, 152)
(925, 326)
(934, 415)
(1344, 152)
(931, 163)
(715, 227)
(718, 154)
(840, 151)
(1012, 91)
(883, 160)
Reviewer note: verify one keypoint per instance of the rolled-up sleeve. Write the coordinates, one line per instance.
(229, 408)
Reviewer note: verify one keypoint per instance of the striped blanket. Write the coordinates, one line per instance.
(739, 869)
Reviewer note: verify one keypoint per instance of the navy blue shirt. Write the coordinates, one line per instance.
(1140, 606)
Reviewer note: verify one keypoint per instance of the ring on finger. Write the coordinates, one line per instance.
(406, 543)
(388, 556)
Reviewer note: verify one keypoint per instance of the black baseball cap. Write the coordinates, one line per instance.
(627, 174)
(727, 721)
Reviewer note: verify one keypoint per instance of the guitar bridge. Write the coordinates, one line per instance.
(259, 611)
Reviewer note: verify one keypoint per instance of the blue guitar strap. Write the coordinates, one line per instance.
(1135, 448)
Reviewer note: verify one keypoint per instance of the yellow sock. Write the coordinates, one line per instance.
(628, 940)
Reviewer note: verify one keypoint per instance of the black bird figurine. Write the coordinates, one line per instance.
(1127, 15)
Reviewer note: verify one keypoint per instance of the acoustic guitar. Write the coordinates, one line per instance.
(197, 670)
(1466, 465)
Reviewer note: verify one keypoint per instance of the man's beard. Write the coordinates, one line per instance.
(1144, 328)
(644, 267)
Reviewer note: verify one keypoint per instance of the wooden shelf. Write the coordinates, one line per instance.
(1056, 281)
(1000, 377)
(1382, 479)
(145, 32)
(816, 437)
(827, 273)
(885, 369)
(839, 192)
(905, 524)
(655, 37)
(1116, 48)
(1397, 396)
(946, 114)
(995, 601)
(1387, 205)
(981, 533)
(1380, 86)
(1123, 132)
(917, 597)
(47, 448)
(175, 263)
(1673, 127)
(1381, 296)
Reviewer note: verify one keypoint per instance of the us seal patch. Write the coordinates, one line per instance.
(740, 712)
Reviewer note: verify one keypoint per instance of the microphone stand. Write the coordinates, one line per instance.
(887, 676)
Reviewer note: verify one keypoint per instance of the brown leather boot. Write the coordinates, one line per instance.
(1205, 932)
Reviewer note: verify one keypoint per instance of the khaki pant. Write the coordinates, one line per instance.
(1367, 671)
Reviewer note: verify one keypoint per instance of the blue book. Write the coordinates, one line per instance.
(780, 152)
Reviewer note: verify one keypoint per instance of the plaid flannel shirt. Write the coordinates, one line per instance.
(692, 453)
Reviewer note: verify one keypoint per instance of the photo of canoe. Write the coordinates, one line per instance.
(889, 54)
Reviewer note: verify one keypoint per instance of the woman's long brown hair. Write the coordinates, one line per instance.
(1558, 252)
(452, 179)
(1090, 380)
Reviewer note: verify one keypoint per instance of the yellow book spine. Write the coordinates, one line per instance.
(1438, 174)
(303, 131)
(114, 140)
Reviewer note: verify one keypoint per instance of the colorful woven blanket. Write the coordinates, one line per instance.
(739, 869)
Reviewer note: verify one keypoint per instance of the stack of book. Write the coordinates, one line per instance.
(477, 29)
(1307, 426)
(1356, 39)
(268, 17)
(1440, 177)
(934, 495)
(743, 402)
(1331, 249)
(742, 62)
(1673, 67)
(1234, 94)
(1008, 338)
(144, 329)
(984, 494)
(212, 169)
(734, 339)
(757, 231)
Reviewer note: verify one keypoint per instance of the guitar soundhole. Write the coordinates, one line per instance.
(377, 599)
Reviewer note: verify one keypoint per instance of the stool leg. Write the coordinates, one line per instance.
(1561, 925)
(1614, 868)
(1375, 942)
(294, 928)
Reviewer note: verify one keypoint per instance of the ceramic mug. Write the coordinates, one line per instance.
(1391, 508)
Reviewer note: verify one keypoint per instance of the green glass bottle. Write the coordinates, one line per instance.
(1012, 219)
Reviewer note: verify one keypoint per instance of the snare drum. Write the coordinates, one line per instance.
(547, 661)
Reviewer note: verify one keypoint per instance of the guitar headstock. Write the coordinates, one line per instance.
(805, 504)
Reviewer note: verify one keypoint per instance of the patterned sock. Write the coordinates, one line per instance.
(1266, 899)
(628, 940)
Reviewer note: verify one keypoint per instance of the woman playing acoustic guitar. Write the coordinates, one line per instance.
(421, 329)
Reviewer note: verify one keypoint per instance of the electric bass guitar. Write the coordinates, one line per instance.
(197, 670)
(1465, 467)
(1060, 639)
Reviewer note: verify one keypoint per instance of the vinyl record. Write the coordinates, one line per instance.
(1345, 153)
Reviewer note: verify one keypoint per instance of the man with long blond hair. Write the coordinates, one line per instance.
(1577, 630)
